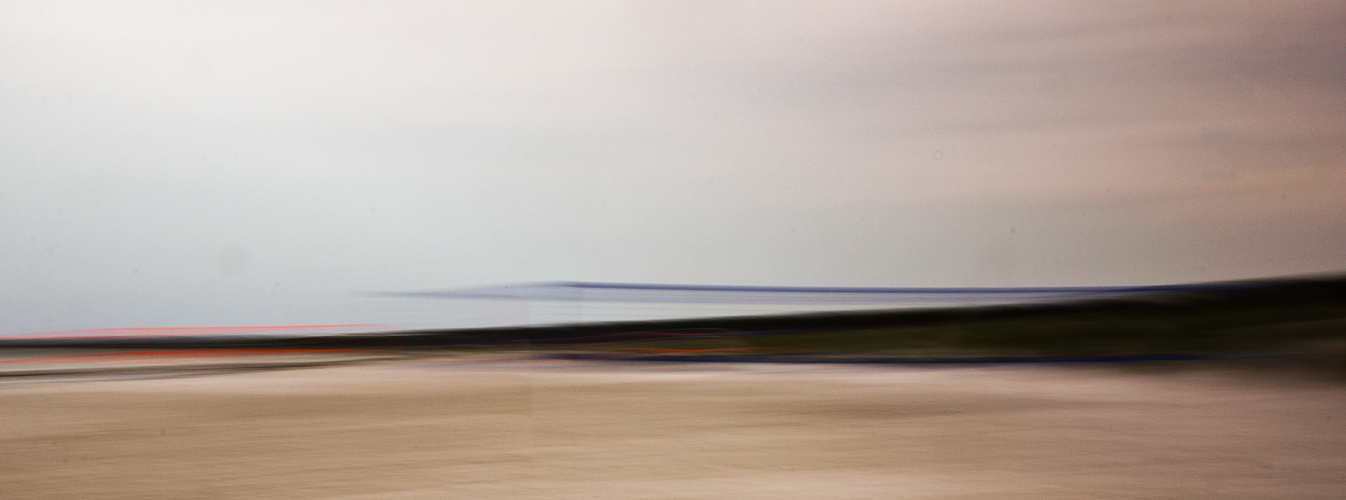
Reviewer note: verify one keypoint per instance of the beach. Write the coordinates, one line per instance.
(446, 428)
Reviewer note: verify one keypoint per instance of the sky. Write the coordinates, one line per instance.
(236, 163)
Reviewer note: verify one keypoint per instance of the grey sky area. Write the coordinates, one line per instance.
(233, 163)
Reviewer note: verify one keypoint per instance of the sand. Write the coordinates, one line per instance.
(448, 429)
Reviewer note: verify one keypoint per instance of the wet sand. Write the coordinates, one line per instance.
(444, 429)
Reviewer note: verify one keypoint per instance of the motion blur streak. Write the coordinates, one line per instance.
(1230, 390)
(432, 429)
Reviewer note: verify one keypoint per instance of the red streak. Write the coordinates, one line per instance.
(652, 349)
(137, 332)
(134, 355)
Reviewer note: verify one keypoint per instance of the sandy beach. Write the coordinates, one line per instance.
(451, 429)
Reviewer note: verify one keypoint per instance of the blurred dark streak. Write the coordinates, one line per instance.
(1278, 317)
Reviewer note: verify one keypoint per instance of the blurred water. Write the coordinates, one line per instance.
(580, 302)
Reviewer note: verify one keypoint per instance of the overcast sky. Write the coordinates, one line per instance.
(233, 163)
